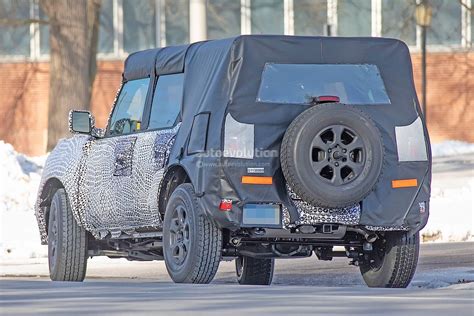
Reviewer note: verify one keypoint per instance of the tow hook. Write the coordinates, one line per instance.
(235, 241)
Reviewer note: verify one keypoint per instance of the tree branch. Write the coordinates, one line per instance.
(21, 22)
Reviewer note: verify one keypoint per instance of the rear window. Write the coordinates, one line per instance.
(301, 83)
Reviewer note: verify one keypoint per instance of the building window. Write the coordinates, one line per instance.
(398, 20)
(177, 22)
(445, 26)
(14, 34)
(139, 25)
(106, 27)
(223, 18)
(43, 33)
(354, 17)
(267, 16)
(472, 24)
(310, 16)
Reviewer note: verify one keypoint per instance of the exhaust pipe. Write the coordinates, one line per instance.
(369, 236)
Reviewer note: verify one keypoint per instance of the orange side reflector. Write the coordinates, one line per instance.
(404, 183)
(256, 180)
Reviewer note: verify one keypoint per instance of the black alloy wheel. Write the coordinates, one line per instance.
(338, 154)
(180, 243)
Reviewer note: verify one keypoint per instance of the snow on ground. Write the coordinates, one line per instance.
(451, 148)
(19, 181)
(451, 216)
(451, 213)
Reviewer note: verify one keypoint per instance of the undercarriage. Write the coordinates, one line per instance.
(352, 242)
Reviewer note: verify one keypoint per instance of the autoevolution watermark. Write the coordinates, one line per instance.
(230, 164)
(241, 153)
(246, 157)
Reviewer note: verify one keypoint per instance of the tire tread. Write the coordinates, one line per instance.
(72, 263)
(257, 271)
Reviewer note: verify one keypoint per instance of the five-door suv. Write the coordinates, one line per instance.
(253, 148)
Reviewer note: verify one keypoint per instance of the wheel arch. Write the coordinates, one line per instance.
(47, 192)
(173, 176)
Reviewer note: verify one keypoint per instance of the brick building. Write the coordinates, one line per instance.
(128, 26)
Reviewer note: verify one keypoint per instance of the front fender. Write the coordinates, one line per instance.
(63, 164)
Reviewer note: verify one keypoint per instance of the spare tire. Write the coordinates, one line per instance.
(332, 155)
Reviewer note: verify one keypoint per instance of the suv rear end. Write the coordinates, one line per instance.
(323, 145)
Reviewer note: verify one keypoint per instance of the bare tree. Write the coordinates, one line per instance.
(74, 26)
(73, 30)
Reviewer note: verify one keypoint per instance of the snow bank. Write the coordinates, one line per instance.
(19, 176)
(451, 216)
(451, 148)
(451, 212)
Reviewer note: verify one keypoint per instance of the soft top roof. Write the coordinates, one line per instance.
(171, 59)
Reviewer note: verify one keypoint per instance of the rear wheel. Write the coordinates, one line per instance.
(332, 155)
(67, 242)
(191, 243)
(392, 262)
(254, 271)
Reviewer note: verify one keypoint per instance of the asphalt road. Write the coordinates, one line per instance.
(300, 286)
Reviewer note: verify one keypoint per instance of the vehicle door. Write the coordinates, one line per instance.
(153, 147)
(108, 181)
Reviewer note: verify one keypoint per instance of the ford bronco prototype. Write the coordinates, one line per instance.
(251, 148)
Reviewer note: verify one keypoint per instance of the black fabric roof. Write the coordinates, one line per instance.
(165, 60)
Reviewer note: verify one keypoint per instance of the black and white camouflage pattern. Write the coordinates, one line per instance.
(311, 215)
(112, 183)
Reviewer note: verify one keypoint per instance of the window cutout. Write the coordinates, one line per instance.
(411, 145)
(301, 83)
(127, 116)
(198, 137)
(166, 101)
(238, 139)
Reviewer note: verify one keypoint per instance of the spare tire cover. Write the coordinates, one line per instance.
(332, 155)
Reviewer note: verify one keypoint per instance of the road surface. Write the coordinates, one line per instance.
(300, 286)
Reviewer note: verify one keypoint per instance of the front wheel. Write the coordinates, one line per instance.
(191, 243)
(67, 242)
(254, 271)
(392, 262)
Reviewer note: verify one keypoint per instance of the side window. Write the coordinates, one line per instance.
(166, 101)
(127, 116)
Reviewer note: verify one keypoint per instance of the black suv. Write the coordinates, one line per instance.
(253, 148)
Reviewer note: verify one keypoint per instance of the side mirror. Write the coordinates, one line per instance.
(81, 122)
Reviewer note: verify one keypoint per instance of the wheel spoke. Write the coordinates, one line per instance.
(174, 226)
(186, 243)
(181, 215)
(174, 245)
(356, 143)
(319, 165)
(182, 252)
(319, 143)
(337, 131)
(337, 179)
(356, 167)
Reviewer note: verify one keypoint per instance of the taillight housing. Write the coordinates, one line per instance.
(225, 205)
